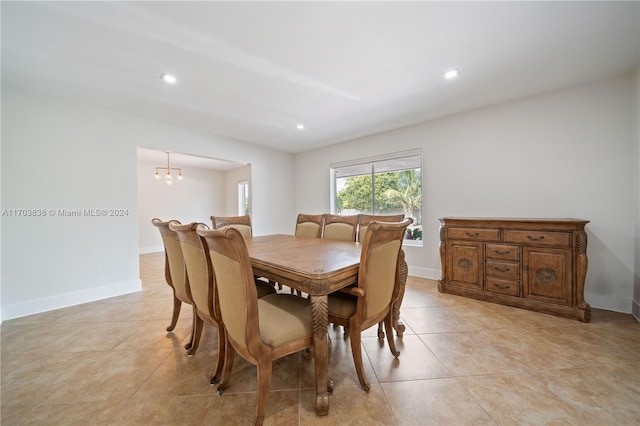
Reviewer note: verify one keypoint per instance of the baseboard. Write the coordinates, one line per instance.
(609, 302)
(432, 274)
(635, 310)
(69, 299)
(150, 249)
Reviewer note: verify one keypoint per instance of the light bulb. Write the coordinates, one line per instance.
(168, 178)
(180, 176)
(157, 175)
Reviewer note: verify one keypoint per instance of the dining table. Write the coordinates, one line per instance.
(315, 266)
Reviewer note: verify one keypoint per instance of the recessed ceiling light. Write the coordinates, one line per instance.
(451, 74)
(300, 126)
(169, 79)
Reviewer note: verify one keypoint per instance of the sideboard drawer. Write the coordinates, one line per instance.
(502, 269)
(538, 238)
(474, 234)
(502, 252)
(508, 287)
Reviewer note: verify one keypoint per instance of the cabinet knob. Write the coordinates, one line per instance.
(525, 268)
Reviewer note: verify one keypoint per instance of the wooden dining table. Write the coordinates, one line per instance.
(314, 266)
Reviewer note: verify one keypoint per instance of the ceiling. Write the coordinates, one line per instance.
(252, 71)
(177, 159)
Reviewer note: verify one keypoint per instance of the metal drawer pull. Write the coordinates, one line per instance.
(469, 234)
(502, 252)
(501, 270)
(535, 239)
(503, 287)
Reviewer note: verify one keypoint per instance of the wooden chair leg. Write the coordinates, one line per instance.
(222, 347)
(177, 304)
(264, 385)
(197, 333)
(380, 332)
(356, 350)
(392, 342)
(194, 324)
(229, 355)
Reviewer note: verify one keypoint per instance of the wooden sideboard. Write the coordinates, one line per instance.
(536, 264)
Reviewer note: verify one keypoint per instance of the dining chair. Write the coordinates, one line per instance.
(241, 223)
(378, 281)
(176, 275)
(309, 225)
(201, 280)
(367, 219)
(363, 225)
(340, 227)
(202, 287)
(261, 330)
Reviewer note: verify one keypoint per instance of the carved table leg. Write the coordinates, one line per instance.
(320, 318)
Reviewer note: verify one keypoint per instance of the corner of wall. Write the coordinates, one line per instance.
(636, 193)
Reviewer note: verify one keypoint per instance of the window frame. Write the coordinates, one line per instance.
(243, 196)
(371, 161)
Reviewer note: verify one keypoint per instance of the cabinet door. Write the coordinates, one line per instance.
(464, 264)
(546, 275)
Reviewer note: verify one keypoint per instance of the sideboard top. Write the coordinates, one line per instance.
(511, 221)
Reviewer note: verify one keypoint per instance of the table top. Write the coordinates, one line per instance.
(314, 265)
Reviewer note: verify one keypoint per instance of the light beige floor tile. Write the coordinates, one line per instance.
(348, 405)
(415, 362)
(470, 353)
(116, 375)
(599, 397)
(76, 414)
(434, 402)
(519, 399)
(174, 410)
(180, 375)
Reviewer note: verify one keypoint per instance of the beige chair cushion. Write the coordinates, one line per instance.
(381, 276)
(307, 229)
(293, 312)
(342, 305)
(245, 230)
(338, 231)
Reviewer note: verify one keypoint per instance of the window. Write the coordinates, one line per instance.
(384, 185)
(243, 198)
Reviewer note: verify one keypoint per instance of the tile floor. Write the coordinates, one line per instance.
(462, 362)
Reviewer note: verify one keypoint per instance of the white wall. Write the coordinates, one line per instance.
(562, 154)
(194, 199)
(65, 155)
(232, 179)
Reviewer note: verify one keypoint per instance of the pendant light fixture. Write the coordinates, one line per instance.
(168, 178)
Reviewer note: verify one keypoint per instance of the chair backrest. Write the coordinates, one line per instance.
(241, 223)
(196, 260)
(367, 219)
(174, 270)
(340, 227)
(309, 225)
(378, 273)
(236, 289)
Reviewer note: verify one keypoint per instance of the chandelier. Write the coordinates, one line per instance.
(168, 178)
